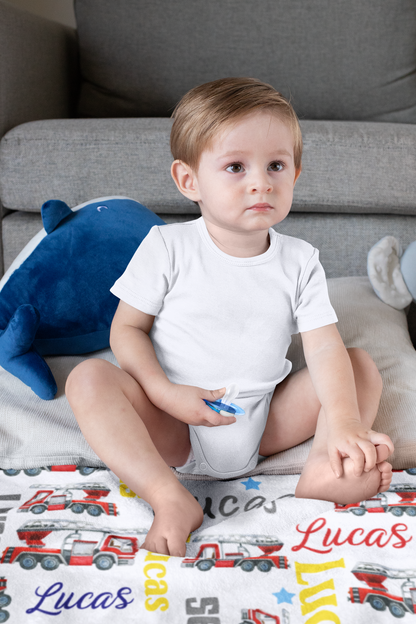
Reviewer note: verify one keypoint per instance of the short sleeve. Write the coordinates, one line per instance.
(313, 307)
(145, 281)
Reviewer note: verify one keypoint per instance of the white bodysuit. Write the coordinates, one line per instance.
(221, 319)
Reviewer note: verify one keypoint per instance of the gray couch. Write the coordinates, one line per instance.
(86, 114)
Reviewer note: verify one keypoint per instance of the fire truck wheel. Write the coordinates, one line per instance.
(377, 603)
(397, 610)
(247, 566)
(86, 470)
(11, 472)
(358, 512)
(77, 508)
(264, 566)
(4, 616)
(50, 563)
(411, 511)
(204, 566)
(411, 471)
(5, 600)
(397, 511)
(93, 511)
(32, 472)
(38, 509)
(104, 562)
(28, 562)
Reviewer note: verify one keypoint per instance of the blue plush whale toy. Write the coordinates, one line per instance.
(55, 298)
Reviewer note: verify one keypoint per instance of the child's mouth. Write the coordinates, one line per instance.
(261, 207)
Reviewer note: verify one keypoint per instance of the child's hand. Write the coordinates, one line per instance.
(351, 439)
(186, 403)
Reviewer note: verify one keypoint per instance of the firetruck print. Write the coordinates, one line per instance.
(236, 551)
(380, 504)
(61, 497)
(5, 600)
(257, 616)
(34, 472)
(378, 595)
(83, 544)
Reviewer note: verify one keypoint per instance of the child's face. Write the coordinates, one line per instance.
(245, 180)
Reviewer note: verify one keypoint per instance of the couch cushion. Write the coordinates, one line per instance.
(347, 166)
(334, 59)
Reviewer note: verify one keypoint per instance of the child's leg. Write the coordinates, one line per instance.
(296, 414)
(138, 442)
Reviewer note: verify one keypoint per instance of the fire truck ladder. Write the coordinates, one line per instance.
(68, 525)
(371, 568)
(72, 486)
(254, 540)
(402, 487)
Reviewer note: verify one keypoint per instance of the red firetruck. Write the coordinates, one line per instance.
(85, 544)
(380, 504)
(214, 553)
(34, 472)
(378, 596)
(57, 498)
(5, 600)
(256, 616)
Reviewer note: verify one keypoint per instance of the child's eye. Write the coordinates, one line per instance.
(276, 166)
(235, 168)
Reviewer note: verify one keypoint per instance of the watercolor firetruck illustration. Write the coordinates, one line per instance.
(5, 600)
(61, 497)
(84, 544)
(34, 472)
(378, 595)
(220, 551)
(257, 616)
(380, 503)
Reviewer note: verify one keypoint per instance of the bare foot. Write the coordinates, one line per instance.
(318, 480)
(177, 513)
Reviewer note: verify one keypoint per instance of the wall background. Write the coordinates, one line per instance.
(57, 10)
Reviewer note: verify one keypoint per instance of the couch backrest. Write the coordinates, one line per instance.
(336, 59)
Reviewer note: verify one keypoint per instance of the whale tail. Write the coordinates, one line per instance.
(18, 356)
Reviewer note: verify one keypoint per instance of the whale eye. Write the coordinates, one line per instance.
(99, 208)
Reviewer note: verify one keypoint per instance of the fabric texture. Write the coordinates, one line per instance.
(348, 167)
(204, 300)
(361, 55)
(39, 433)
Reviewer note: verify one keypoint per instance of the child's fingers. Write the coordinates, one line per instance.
(381, 438)
(336, 463)
(215, 419)
(370, 454)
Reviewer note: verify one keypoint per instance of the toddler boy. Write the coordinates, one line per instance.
(215, 301)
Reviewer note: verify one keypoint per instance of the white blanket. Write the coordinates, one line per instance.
(70, 553)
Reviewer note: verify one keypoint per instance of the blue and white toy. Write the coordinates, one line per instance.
(55, 298)
(392, 273)
(225, 406)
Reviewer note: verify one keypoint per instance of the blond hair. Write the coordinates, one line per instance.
(205, 110)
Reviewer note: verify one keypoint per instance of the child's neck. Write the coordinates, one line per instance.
(239, 244)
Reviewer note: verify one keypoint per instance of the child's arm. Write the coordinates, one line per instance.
(135, 354)
(333, 379)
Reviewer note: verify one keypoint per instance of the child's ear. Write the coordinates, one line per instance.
(297, 174)
(185, 179)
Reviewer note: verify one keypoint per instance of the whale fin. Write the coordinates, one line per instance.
(18, 357)
(53, 212)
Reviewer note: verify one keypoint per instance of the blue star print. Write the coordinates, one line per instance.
(284, 596)
(251, 484)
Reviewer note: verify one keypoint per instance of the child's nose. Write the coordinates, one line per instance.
(260, 184)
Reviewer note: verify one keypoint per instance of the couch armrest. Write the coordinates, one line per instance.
(38, 68)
